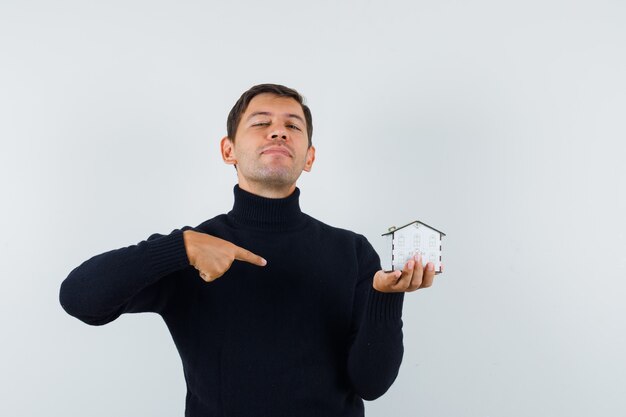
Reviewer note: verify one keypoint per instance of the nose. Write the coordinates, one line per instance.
(278, 134)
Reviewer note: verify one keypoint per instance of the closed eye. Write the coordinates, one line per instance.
(293, 127)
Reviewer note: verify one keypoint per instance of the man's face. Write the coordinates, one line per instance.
(270, 148)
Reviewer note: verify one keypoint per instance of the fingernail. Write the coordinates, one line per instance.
(263, 261)
(411, 264)
(419, 257)
(397, 273)
(431, 266)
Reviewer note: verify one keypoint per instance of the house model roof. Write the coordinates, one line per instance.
(394, 229)
(407, 241)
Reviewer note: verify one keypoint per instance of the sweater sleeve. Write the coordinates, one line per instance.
(125, 280)
(376, 352)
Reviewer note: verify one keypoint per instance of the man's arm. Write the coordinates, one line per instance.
(129, 280)
(123, 280)
(377, 349)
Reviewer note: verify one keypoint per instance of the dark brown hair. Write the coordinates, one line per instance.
(234, 117)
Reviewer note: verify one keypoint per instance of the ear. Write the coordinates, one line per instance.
(310, 158)
(228, 151)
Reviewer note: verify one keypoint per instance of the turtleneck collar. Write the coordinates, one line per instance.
(258, 212)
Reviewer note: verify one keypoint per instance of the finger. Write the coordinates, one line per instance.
(407, 274)
(429, 275)
(385, 281)
(418, 274)
(245, 255)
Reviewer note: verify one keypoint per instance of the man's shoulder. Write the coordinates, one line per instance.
(211, 224)
(335, 231)
(344, 241)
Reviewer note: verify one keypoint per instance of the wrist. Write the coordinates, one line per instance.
(189, 240)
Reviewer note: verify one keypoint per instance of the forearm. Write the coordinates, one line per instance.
(99, 290)
(376, 353)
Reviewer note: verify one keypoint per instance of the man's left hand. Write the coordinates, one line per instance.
(413, 277)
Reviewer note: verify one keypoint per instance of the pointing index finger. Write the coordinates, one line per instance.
(245, 255)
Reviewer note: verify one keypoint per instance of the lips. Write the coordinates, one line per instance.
(276, 150)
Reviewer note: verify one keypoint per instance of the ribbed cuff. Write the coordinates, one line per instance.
(384, 306)
(167, 253)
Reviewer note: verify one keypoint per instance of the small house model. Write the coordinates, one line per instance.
(416, 237)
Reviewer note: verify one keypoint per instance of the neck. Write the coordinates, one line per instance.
(267, 190)
(277, 214)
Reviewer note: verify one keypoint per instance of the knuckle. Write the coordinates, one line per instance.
(213, 277)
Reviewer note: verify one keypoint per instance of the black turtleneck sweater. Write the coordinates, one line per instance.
(305, 335)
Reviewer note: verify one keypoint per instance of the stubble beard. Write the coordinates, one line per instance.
(272, 176)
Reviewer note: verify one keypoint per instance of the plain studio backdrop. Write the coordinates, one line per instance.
(500, 123)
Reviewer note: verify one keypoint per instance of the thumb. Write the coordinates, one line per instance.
(385, 279)
(389, 275)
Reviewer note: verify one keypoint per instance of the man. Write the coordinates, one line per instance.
(290, 316)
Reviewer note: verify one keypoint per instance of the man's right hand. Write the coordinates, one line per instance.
(213, 256)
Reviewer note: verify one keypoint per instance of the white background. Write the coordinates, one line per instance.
(500, 123)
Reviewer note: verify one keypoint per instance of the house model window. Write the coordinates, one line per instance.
(406, 241)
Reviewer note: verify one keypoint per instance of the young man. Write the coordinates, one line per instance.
(290, 316)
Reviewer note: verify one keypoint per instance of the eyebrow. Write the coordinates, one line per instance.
(267, 113)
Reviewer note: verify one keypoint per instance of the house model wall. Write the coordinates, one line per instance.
(406, 241)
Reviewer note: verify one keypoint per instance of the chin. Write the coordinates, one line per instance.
(274, 174)
(279, 178)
